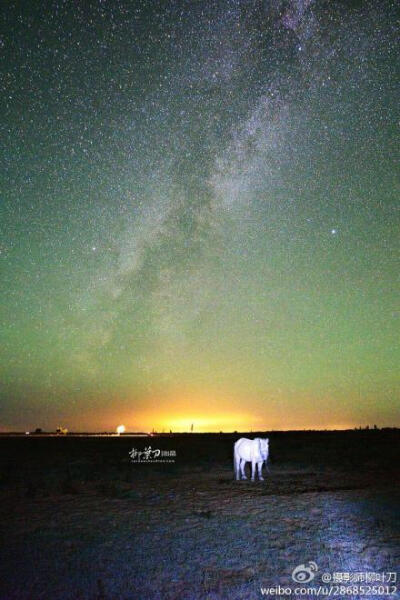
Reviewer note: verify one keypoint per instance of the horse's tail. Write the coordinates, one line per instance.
(235, 461)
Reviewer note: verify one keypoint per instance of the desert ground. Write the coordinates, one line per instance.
(80, 520)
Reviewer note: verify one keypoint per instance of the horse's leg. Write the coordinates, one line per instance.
(253, 469)
(237, 467)
(242, 466)
(260, 477)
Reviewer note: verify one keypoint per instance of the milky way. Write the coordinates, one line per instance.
(198, 213)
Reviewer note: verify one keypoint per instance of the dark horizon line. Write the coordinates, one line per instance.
(164, 433)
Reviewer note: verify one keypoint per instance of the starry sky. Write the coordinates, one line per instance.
(197, 214)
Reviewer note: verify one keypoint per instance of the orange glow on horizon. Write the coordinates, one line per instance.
(178, 410)
(212, 410)
(211, 423)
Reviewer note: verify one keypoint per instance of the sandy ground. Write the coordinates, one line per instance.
(197, 535)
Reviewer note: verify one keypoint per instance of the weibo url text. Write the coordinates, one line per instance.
(331, 590)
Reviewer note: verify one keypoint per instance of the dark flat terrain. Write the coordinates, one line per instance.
(81, 521)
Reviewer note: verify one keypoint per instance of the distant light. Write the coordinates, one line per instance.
(120, 429)
(333, 231)
(27, 432)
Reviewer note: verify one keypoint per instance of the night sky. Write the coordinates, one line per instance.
(198, 217)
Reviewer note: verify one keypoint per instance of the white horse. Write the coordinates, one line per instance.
(254, 451)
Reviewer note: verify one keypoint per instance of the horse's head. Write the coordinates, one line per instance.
(263, 444)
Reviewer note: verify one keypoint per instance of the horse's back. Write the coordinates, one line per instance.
(242, 442)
